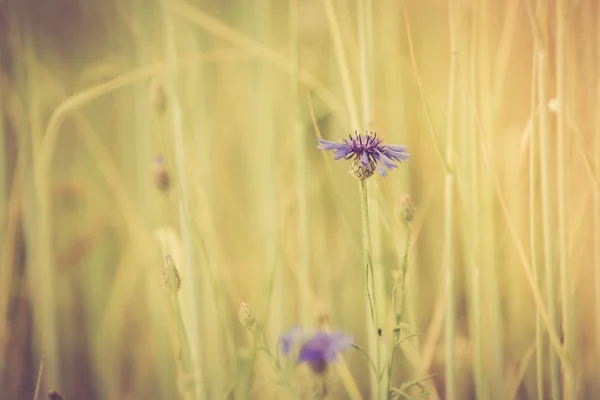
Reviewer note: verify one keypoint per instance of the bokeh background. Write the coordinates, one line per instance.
(497, 102)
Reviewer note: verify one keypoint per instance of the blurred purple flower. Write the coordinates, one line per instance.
(318, 349)
(368, 151)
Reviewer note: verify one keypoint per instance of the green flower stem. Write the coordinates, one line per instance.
(398, 311)
(261, 344)
(373, 334)
(368, 253)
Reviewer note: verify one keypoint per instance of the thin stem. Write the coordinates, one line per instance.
(368, 255)
(42, 270)
(539, 340)
(562, 191)
(450, 324)
(398, 313)
(365, 43)
(432, 131)
(597, 192)
(276, 362)
(189, 295)
(338, 48)
(38, 384)
(473, 176)
(404, 272)
(300, 158)
(489, 243)
(539, 27)
(547, 216)
(364, 37)
(450, 373)
(374, 368)
(369, 277)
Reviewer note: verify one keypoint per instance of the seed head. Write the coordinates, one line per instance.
(359, 171)
(247, 317)
(158, 97)
(170, 276)
(323, 316)
(407, 208)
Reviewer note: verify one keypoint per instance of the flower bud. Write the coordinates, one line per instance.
(160, 175)
(407, 208)
(53, 395)
(170, 276)
(247, 317)
(358, 170)
(158, 97)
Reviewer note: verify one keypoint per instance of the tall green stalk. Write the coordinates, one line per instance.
(399, 312)
(539, 340)
(344, 70)
(267, 192)
(3, 175)
(365, 43)
(548, 226)
(562, 192)
(449, 243)
(597, 191)
(473, 176)
(539, 30)
(395, 117)
(300, 158)
(42, 267)
(370, 285)
(4, 193)
(489, 243)
(189, 272)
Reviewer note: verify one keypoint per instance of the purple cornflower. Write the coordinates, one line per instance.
(368, 151)
(318, 349)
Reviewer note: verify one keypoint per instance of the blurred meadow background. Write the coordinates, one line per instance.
(132, 130)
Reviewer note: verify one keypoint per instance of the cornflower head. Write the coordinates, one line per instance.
(368, 151)
(317, 349)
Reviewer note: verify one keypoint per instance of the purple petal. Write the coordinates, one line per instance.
(324, 346)
(289, 339)
(315, 348)
(339, 342)
(344, 152)
(341, 150)
(364, 158)
(380, 169)
(328, 145)
(388, 162)
(396, 152)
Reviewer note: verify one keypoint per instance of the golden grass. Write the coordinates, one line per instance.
(503, 255)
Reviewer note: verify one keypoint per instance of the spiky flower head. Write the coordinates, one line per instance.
(368, 151)
(247, 317)
(317, 349)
